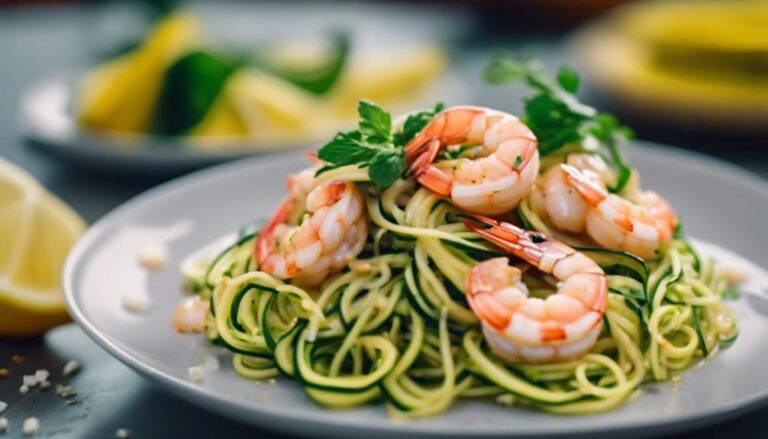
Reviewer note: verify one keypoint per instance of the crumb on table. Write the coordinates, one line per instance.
(31, 426)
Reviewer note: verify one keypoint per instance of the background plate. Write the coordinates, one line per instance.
(717, 202)
(47, 116)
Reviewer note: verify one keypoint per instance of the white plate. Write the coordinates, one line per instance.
(716, 201)
(48, 120)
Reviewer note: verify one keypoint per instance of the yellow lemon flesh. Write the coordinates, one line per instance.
(121, 94)
(37, 231)
(263, 107)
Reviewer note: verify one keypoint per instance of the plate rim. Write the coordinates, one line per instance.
(273, 418)
(169, 155)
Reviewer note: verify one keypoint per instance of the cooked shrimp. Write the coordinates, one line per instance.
(573, 196)
(503, 171)
(334, 231)
(565, 208)
(520, 328)
(619, 224)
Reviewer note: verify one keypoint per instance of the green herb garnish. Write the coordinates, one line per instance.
(557, 117)
(373, 145)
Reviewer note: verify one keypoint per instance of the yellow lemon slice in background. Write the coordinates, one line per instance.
(396, 79)
(37, 230)
(120, 95)
(272, 111)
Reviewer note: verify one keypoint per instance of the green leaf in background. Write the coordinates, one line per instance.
(190, 87)
(568, 79)
(316, 79)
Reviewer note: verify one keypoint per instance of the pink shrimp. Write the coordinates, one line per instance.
(496, 179)
(519, 328)
(619, 224)
(334, 232)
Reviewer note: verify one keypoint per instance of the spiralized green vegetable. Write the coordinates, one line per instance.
(395, 326)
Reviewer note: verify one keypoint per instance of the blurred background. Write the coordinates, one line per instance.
(100, 101)
(152, 89)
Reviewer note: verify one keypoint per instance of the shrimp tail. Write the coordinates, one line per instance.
(436, 180)
(449, 127)
(590, 191)
(313, 158)
(265, 243)
(421, 152)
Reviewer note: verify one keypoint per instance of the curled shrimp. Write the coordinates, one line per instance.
(496, 179)
(577, 200)
(333, 232)
(520, 328)
(554, 196)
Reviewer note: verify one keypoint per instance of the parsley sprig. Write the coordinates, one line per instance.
(557, 117)
(374, 145)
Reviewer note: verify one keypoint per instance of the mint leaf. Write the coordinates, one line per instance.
(568, 79)
(371, 146)
(374, 122)
(347, 148)
(386, 167)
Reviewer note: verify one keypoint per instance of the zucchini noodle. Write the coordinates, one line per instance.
(395, 325)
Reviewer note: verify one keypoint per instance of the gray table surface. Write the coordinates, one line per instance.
(35, 42)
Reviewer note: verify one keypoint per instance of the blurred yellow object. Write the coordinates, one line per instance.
(267, 102)
(121, 94)
(388, 80)
(223, 119)
(262, 106)
(37, 231)
(686, 60)
(732, 25)
(256, 105)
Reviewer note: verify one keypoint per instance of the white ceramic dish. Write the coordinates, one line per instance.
(717, 202)
(48, 120)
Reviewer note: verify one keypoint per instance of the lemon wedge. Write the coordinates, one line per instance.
(120, 95)
(263, 108)
(37, 231)
(388, 81)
